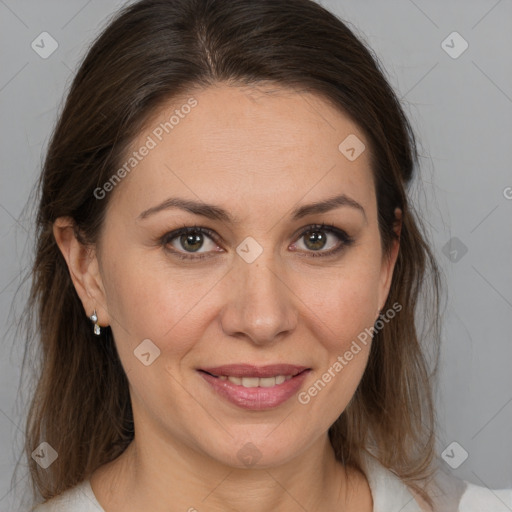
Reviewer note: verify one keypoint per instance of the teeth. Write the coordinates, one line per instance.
(267, 382)
(250, 382)
(254, 382)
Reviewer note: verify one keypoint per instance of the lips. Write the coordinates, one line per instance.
(255, 387)
(251, 371)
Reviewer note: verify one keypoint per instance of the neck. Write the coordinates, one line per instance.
(154, 476)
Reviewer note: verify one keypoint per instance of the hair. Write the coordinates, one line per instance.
(150, 53)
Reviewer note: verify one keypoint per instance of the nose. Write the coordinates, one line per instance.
(262, 307)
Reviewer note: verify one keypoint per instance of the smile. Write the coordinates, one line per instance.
(255, 388)
(256, 382)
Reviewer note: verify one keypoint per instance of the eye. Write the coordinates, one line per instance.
(315, 238)
(188, 238)
(186, 241)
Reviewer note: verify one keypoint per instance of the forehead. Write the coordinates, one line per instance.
(225, 142)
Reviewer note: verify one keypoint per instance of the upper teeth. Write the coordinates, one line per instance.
(254, 382)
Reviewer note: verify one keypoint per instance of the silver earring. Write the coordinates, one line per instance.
(94, 320)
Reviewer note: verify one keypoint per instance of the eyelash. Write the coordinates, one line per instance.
(165, 240)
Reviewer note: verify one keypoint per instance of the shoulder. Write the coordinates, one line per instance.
(477, 498)
(448, 492)
(79, 498)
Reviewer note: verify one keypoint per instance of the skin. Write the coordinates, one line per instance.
(258, 154)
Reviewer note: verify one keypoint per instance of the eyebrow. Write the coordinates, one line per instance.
(214, 212)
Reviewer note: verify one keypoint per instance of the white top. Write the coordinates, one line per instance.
(389, 494)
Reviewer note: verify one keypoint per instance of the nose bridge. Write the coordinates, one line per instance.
(261, 306)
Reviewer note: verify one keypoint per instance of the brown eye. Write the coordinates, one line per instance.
(316, 238)
(189, 239)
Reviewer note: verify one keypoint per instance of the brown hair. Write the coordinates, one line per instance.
(155, 50)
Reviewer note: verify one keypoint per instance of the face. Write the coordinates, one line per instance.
(261, 290)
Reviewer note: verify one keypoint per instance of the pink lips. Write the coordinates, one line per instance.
(255, 398)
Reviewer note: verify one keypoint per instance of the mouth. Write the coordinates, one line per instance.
(255, 376)
(253, 387)
(254, 382)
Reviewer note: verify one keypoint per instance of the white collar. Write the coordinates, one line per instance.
(389, 492)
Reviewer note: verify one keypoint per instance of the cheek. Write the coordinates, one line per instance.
(134, 296)
(149, 299)
(346, 314)
(343, 303)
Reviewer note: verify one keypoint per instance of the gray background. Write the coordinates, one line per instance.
(461, 109)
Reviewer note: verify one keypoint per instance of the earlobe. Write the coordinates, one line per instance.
(83, 268)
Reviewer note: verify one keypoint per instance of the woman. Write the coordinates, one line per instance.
(227, 275)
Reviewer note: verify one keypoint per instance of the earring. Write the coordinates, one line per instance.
(94, 319)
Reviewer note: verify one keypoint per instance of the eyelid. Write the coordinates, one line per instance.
(175, 233)
(345, 240)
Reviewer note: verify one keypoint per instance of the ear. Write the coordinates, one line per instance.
(388, 262)
(83, 268)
